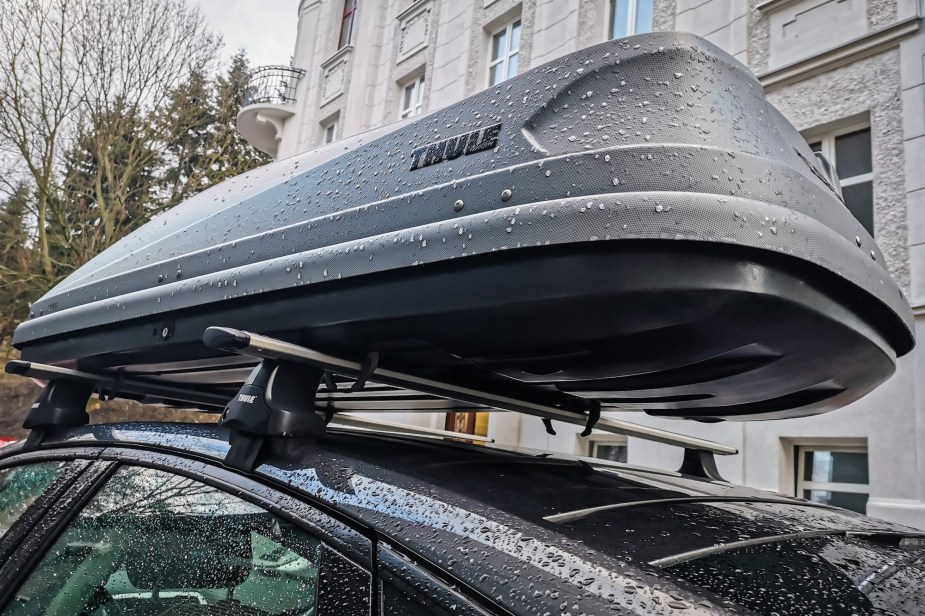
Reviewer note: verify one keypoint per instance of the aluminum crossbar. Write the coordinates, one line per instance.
(264, 347)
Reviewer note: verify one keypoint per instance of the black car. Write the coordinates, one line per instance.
(145, 518)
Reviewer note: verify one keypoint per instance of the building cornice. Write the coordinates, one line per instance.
(852, 51)
(342, 53)
(411, 10)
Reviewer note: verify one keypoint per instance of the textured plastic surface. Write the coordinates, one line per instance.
(633, 223)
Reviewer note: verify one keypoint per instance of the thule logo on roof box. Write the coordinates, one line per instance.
(454, 147)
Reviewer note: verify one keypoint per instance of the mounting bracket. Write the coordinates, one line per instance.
(274, 408)
(700, 463)
(62, 404)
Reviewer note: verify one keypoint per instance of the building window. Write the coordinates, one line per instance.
(613, 448)
(505, 49)
(467, 423)
(329, 131)
(413, 98)
(346, 23)
(630, 17)
(849, 150)
(833, 475)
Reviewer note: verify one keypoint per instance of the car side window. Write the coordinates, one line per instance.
(151, 542)
(21, 485)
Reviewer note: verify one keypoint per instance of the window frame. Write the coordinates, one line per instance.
(506, 54)
(416, 106)
(827, 141)
(336, 534)
(801, 484)
(630, 18)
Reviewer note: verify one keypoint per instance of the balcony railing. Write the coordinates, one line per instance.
(275, 85)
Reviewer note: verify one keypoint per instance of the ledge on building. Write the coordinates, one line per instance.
(852, 51)
(774, 5)
(262, 125)
(269, 100)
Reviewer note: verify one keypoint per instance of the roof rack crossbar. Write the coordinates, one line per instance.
(266, 348)
(114, 384)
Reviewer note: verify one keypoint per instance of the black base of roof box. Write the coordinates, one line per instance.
(632, 224)
(673, 328)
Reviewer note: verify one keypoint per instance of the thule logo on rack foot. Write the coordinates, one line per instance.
(454, 147)
(246, 398)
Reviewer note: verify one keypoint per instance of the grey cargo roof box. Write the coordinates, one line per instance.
(632, 224)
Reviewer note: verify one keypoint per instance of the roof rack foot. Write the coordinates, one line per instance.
(62, 404)
(700, 463)
(277, 402)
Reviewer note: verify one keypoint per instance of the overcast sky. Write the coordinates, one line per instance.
(265, 28)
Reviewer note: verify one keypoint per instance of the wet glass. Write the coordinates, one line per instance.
(155, 543)
(21, 485)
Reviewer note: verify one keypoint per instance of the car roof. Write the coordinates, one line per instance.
(567, 488)
(519, 509)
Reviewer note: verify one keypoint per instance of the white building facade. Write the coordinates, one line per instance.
(849, 74)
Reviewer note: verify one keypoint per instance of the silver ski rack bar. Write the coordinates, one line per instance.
(266, 348)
